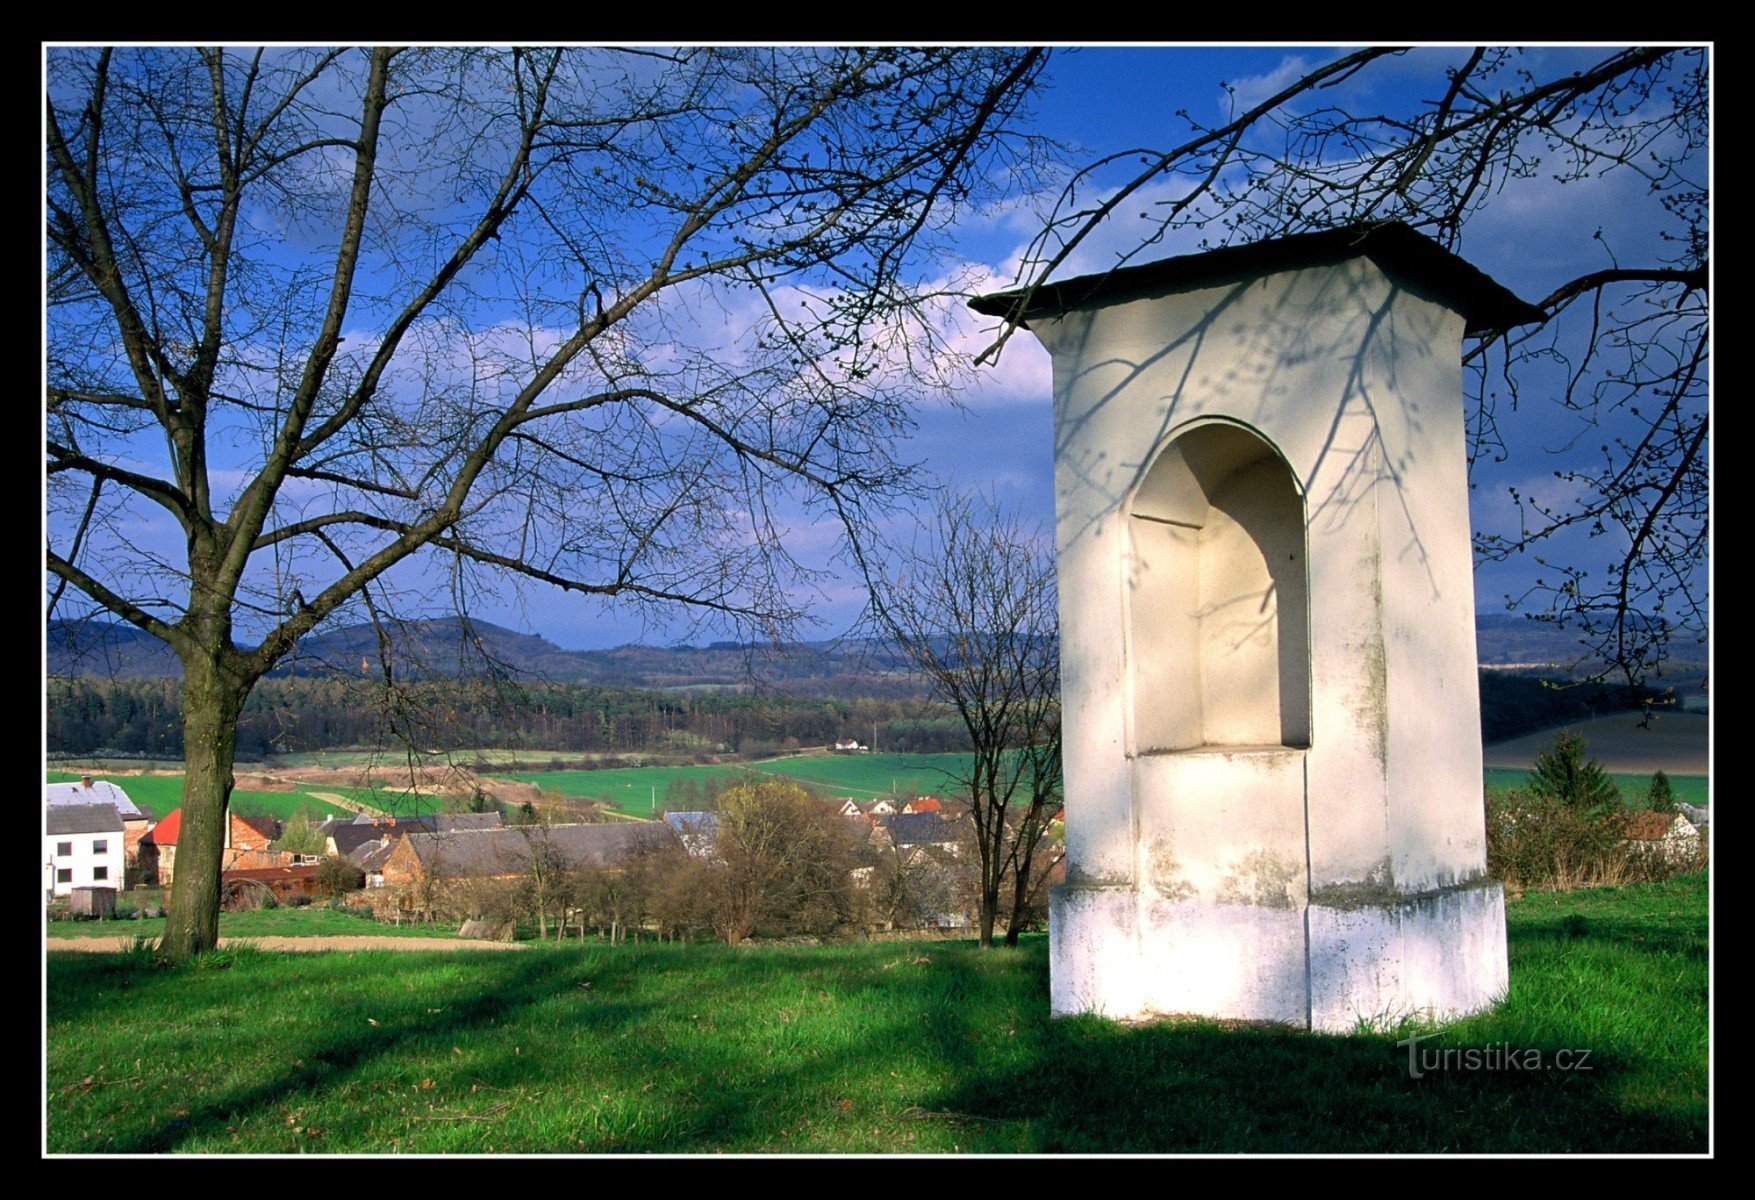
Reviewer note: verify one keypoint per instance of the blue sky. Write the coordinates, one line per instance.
(997, 435)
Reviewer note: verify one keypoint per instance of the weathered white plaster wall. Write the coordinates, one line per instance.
(1259, 810)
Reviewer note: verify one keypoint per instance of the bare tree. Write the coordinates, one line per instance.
(355, 326)
(1623, 352)
(782, 860)
(972, 605)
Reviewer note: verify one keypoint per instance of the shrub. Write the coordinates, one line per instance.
(336, 877)
(1540, 844)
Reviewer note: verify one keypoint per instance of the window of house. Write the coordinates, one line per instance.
(64, 875)
(63, 849)
(100, 873)
(100, 846)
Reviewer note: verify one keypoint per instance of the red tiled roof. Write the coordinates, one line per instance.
(165, 832)
(925, 804)
(1646, 826)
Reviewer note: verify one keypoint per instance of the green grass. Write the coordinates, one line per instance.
(1689, 789)
(162, 793)
(309, 921)
(863, 776)
(908, 1047)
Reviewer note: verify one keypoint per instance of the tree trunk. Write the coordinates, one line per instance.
(212, 699)
(989, 903)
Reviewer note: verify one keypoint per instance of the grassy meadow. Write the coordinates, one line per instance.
(866, 1047)
(864, 776)
(1689, 789)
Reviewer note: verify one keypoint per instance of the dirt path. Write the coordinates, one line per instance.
(112, 945)
(340, 801)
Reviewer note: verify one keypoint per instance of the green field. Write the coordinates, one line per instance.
(862, 776)
(869, 1047)
(1689, 789)
(162, 793)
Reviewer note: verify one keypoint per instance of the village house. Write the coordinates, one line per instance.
(86, 790)
(911, 832)
(83, 848)
(1670, 837)
(246, 846)
(848, 746)
(505, 853)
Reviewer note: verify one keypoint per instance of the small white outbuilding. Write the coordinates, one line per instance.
(1272, 742)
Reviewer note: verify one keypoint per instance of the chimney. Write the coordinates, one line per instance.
(85, 782)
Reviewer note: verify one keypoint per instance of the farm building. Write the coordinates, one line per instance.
(1669, 836)
(505, 852)
(135, 819)
(82, 848)
(246, 846)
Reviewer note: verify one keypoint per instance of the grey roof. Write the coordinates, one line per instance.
(83, 818)
(438, 821)
(919, 829)
(505, 851)
(372, 855)
(352, 836)
(467, 820)
(101, 791)
(1411, 259)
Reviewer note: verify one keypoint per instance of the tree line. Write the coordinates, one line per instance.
(93, 715)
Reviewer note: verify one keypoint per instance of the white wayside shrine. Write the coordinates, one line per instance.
(1272, 730)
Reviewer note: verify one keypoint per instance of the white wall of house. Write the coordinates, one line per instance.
(81, 860)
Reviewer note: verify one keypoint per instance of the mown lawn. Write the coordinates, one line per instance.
(309, 921)
(874, 1047)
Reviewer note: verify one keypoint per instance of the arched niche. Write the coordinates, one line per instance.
(1218, 611)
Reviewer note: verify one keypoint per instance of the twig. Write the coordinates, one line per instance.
(486, 1114)
(90, 1082)
(916, 1113)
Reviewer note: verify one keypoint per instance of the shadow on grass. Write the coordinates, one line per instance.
(323, 1064)
(700, 1048)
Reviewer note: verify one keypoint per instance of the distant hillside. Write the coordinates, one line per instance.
(1515, 640)
(450, 646)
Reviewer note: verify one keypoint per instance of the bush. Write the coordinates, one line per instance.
(1539, 844)
(336, 877)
